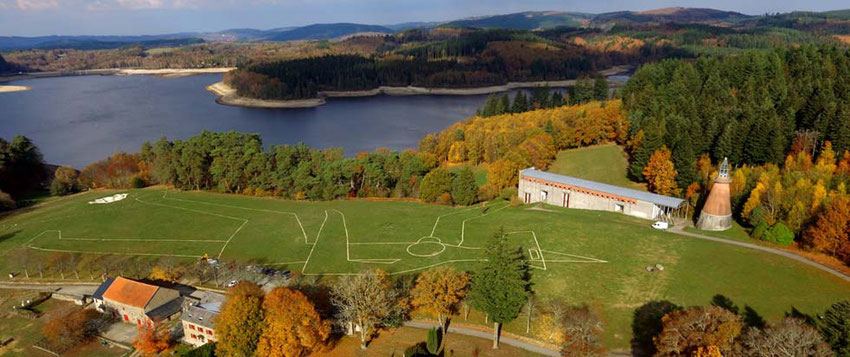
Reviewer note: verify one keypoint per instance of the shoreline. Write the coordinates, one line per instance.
(12, 89)
(225, 95)
(162, 73)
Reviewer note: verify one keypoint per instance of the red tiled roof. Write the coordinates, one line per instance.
(129, 292)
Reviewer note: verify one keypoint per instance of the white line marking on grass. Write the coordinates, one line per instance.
(447, 214)
(314, 244)
(108, 253)
(577, 256)
(231, 238)
(245, 208)
(463, 224)
(288, 263)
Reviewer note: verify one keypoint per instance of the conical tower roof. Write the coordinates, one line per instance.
(716, 214)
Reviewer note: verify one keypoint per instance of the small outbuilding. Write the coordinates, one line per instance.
(572, 192)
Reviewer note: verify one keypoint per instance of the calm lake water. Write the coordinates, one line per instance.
(78, 120)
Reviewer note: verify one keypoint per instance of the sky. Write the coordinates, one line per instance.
(136, 17)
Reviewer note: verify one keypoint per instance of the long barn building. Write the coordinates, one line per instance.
(571, 192)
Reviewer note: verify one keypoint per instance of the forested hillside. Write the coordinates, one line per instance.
(443, 58)
(746, 108)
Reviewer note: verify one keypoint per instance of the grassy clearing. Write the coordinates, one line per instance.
(584, 257)
(737, 232)
(601, 163)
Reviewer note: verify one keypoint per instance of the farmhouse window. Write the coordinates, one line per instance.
(191, 327)
(209, 332)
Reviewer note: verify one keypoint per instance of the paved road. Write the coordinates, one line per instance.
(489, 336)
(790, 255)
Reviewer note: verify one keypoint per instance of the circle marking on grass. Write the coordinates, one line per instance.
(424, 241)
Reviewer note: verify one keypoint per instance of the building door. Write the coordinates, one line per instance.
(566, 200)
(544, 195)
(527, 198)
(618, 207)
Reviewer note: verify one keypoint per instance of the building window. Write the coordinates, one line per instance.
(209, 332)
(191, 327)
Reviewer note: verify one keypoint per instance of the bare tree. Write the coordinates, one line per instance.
(789, 338)
(582, 328)
(366, 300)
(22, 259)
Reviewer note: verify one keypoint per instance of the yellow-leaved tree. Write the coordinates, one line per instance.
(292, 326)
(240, 322)
(439, 290)
(660, 173)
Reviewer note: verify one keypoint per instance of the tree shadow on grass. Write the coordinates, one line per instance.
(647, 324)
(8, 235)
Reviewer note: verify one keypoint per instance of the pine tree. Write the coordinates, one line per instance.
(835, 327)
(600, 88)
(520, 103)
(500, 285)
(557, 99)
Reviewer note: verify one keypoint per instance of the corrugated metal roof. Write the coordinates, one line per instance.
(200, 315)
(666, 201)
(98, 294)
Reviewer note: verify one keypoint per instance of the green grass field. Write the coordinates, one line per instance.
(598, 258)
(601, 163)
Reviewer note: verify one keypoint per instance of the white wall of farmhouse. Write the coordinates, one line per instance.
(533, 190)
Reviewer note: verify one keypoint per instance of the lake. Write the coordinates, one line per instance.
(78, 120)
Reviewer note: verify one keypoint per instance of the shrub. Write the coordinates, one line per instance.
(780, 234)
(508, 193)
(760, 230)
(435, 183)
(445, 199)
(137, 182)
(487, 193)
(515, 201)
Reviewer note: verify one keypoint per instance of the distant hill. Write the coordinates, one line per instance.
(325, 32)
(527, 20)
(672, 14)
(10, 43)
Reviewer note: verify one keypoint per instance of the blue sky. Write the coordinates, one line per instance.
(122, 17)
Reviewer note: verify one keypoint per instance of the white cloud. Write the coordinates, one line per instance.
(37, 4)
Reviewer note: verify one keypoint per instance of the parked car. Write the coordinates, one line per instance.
(232, 283)
(286, 274)
(661, 225)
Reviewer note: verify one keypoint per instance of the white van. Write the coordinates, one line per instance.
(660, 225)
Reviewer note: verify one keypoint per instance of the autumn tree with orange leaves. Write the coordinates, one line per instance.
(698, 331)
(660, 174)
(240, 322)
(150, 341)
(831, 233)
(438, 291)
(293, 328)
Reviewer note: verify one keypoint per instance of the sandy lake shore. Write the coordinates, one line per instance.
(173, 72)
(227, 96)
(10, 89)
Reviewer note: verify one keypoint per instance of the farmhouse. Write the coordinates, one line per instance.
(139, 303)
(197, 323)
(571, 192)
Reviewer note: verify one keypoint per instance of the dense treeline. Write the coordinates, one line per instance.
(511, 142)
(239, 163)
(21, 170)
(467, 58)
(213, 54)
(746, 107)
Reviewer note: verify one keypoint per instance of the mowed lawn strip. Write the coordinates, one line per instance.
(591, 257)
(602, 163)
